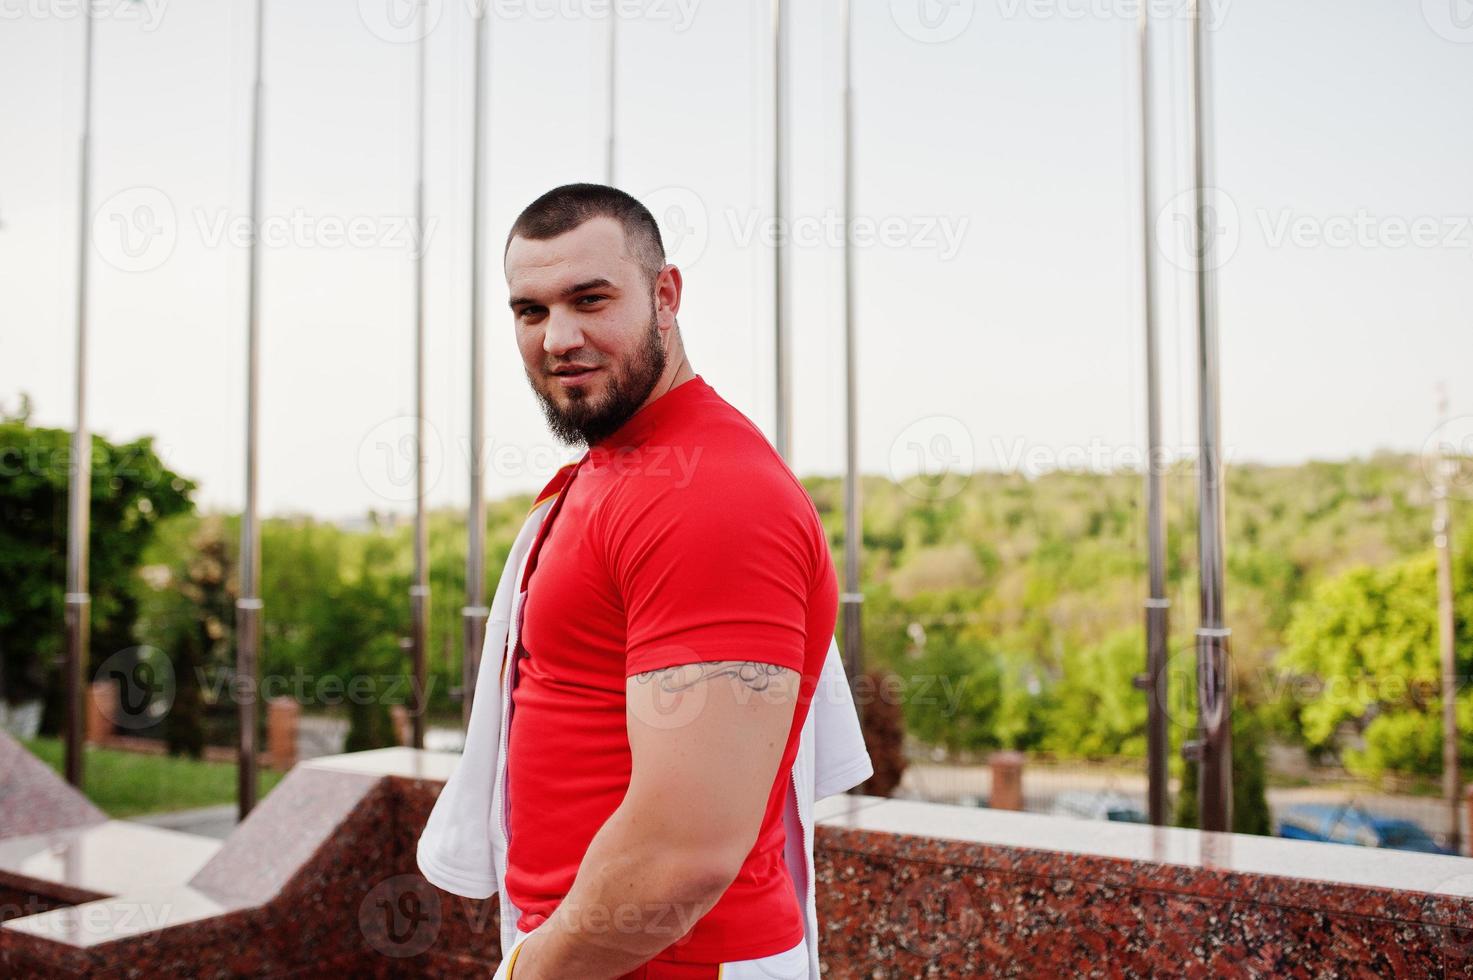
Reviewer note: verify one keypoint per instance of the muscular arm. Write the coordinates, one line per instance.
(706, 740)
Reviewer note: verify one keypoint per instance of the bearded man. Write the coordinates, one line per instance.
(678, 605)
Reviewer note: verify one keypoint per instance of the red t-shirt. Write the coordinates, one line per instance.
(681, 538)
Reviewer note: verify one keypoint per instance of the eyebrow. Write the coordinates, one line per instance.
(572, 290)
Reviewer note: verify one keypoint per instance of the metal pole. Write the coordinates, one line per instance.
(1214, 696)
(783, 422)
(1157, 606)
(613, 89)
(248, 605)
(1446, 625)
(419, 592)
(852, 598)
(78, 607)
(474, 613)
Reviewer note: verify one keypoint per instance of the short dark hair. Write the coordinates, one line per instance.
(564, 208)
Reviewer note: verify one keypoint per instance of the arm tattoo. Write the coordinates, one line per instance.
(672, 680)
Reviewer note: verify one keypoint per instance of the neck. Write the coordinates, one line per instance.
(680, 373)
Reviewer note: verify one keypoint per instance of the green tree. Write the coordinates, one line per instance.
(1095, 710)
(953, 696)
(1363, 655)
(189, 611)
(131, 492)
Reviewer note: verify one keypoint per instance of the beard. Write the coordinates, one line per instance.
(589, 417)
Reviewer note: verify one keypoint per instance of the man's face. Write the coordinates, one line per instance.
(589, 326)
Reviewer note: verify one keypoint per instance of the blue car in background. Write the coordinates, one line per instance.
(1346, 823)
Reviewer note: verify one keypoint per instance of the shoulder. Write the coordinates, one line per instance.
(715, 463)
(553, 486)
(714, 487)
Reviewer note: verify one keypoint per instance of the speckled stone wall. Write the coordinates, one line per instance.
(320, 882)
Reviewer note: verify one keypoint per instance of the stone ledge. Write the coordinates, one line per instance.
(313, 883)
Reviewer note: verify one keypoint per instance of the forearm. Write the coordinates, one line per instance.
(634, 895)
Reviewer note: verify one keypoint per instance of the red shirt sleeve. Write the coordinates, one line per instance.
(723, 575)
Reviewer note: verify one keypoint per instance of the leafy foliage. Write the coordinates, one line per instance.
(1367, 644)
(132, 492)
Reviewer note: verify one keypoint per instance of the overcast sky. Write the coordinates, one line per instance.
(998, 296)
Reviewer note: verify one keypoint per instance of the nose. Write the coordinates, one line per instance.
(561, 334)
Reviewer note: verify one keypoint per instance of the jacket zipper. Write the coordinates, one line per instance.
(808, 885)
(508, 682)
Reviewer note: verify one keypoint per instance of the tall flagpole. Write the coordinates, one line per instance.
(609, 160)
(248, 604)
(78, 615)
(783, 423)
(852, 597)
(1157, 606)
(419, 592)
(1446, 634)
(1214, 748)
(474, 613)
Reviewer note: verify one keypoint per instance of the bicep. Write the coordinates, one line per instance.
(705, 741)
(716, 606)
(706, 583)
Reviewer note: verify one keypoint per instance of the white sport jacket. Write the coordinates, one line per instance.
(463, 847)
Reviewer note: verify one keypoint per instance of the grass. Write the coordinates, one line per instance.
(126, 784)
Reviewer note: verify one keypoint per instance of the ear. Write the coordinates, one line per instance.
(668, 285)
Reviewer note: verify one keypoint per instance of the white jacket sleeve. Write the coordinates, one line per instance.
(840, 759)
